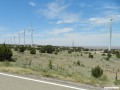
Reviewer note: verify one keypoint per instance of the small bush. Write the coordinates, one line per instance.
(16, 48)
(118, 55)
(50, 64)
(109, 55)
(5, 53)
(56, 52)
(90, 56)
(97, 72)
(32, 51)
(69, 51)
(21, 49)
(78, 63)
(47, 49)
(103, 54)
(106, 51)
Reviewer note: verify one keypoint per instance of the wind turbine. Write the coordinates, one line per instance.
(11, 40)
(111, 19)
(14, 40)
(31, 37)
(31, 29)
(24, 37)
(19, 37)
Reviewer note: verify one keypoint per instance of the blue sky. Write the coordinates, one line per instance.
(60, 22)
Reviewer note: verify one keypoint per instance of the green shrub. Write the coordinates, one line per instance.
(69, 51)
(47, 49)
(50, 64)
(86, 49)
(103, 54)
(90, 56)
(56, 52)
(16, 48)
(22, 49)
(109, 55)
(97, 72)
(78, 63)
(5, 53)
(118, 55)
(32, 51)
(106, 51)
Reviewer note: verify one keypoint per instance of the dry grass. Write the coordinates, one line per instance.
(16, 70)
(64, 66)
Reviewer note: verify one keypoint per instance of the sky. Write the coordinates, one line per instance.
(60, 22)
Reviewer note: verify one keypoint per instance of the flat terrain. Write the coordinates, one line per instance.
(64, 66)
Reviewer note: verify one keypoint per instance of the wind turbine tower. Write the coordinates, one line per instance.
(111, 19)
(11, 40)
(14, 41)
(24, 37)
(31, 35)
(19, 37)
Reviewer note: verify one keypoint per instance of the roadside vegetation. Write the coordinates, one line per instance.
(77, 64)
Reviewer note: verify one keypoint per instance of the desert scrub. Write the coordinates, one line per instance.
(5, 53)
(97, 72)
(90, 56)
(22, 49)
(47, 49)
(32, 51)
(50, 65)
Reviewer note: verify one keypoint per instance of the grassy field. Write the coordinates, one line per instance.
(65, 67)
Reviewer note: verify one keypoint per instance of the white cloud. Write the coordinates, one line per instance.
(54, 9)
(72, 20)
(68, 18)
(32, 4)
(59, 31)
(98, 20)
(58, 11)
(116, 17)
